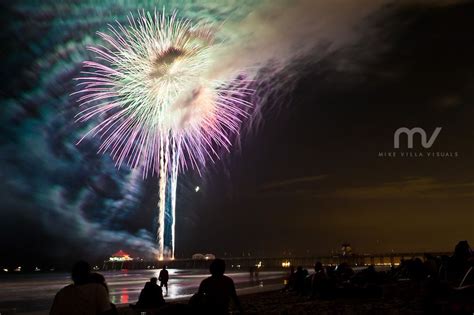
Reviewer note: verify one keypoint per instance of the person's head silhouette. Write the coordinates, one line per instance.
(153, 280)
(80, 272)
(318, 266)
(462, 250)
(164, 267)
(217, 267)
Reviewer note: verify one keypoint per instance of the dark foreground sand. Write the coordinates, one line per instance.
(288, 303)
(278, 302)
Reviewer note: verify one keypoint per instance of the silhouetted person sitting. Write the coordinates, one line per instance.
(164, 277)
(151, 295)
(370, 275)
(82, 297)
(216, 291)
(460, 262)
(431, 266)
(100, 279)
(300, 276)
(290, 284)
(319, 280)
(416, 269)
(292, 278)
(344, 272)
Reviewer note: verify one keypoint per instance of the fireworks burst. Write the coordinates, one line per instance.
(161, 109)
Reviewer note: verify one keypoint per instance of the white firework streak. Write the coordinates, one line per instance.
(159, 109)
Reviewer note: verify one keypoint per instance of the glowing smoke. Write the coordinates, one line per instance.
(280, 32)
(162, 111)
(53, 37)
(172, 92)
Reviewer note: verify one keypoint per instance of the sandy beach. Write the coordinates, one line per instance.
(278, 302)
(399, 300)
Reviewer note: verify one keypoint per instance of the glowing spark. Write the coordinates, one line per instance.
(159, 107)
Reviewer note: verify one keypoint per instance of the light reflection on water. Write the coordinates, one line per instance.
(35, 292)
(119, 296)
(124, 296)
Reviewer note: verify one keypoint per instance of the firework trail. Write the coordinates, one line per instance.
(163, 111)
(171, 94)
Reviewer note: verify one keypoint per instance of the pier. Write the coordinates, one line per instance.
(384, 259)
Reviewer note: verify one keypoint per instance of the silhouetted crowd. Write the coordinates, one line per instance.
(89, 294)
(445, 283)
(332, 281)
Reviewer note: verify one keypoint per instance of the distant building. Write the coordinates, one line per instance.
(203, 257)
(198, 257)
(346, 249)
(120, 256)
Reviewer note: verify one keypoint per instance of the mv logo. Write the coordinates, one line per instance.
(411, 133)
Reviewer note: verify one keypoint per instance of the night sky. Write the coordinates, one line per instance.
(304, 176)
